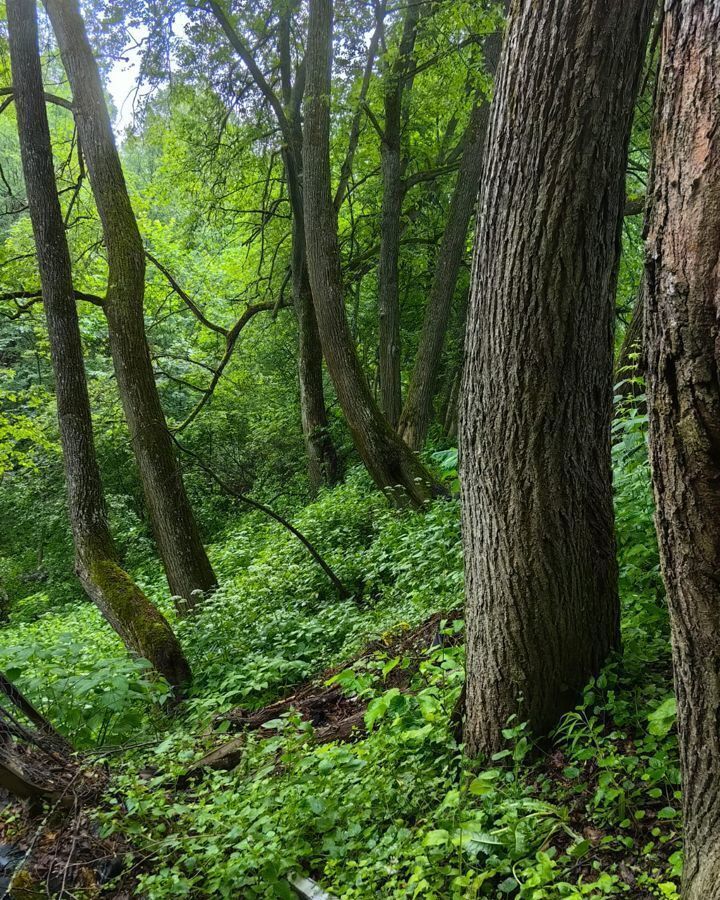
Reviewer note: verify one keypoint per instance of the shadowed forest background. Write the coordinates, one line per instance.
(264, 268)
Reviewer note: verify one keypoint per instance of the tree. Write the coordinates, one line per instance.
(683, 362)
(417, 411)
(393, 167)
(541, 577)
(139, 624)
(390, 462)
(323, 466)
(176, 532)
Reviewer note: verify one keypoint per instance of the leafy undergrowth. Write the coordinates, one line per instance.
(396, 811)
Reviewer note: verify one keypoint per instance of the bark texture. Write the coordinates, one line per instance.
(390, 462)
(187, 567)
(392, 167)
(139, 624)
(417, 412)
(541, 578)
(683, 350)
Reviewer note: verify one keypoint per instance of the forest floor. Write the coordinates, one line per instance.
(320, 738)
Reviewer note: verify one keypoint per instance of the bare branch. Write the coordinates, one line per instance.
(245, 54)
(187, 300)
(33, 297)
(231, 339)
(354, 137)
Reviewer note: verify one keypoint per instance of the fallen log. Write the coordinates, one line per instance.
(333, 715)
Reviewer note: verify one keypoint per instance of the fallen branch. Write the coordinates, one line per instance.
(342, 591)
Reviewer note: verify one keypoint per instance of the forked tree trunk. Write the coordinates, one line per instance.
(187, 567)
(683, 366)
(417, 412)
(390, 215)
(542, 605)
(142, 628)
(390, 462)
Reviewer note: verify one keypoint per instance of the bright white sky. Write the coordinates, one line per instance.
(122, 86)
(123, 81)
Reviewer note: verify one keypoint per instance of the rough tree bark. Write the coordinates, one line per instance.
(417, 412)
(323, 463)
(187, 567)
(390, 462)
(541, 597)
(683, 362)
(127, 609)
(392, 167)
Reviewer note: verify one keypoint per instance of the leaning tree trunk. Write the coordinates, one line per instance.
(390, 462)
(417, 412)
(542, 606)
(390, 215)
(683, 366)
(139, 624)
(187, 567)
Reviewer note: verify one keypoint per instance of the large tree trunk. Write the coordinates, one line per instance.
(393, 191)
(683, 366)
(542, 606)
(417, 412)
(390, 462)
(128, 610)
(187, 567)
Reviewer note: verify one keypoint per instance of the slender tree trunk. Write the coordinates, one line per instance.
(323, 464)
(683, 357)
(128, 610)
(542, 606)
(391, 212)
(417, 412)
(186, 564)
(630, 365)
(450, 419)
(390, 462)
(354, 136)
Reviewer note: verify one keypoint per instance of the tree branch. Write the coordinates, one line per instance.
(49, 98)
(243, 51)
(33, 297)
(230, 340)
(343, 592)
(634, 206)
(187, 300)
(354, 137)
(374, 122)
